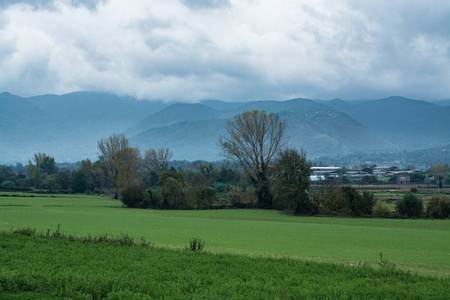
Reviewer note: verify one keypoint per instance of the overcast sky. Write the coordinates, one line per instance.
(230, 50)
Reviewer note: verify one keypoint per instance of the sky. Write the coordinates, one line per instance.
(232, 50)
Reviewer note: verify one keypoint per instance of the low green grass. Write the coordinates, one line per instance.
(422, 246)
(33, 267)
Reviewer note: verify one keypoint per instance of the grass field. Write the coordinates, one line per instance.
(52, 267)
(422, 246)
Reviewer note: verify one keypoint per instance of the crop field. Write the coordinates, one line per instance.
(52, 267)
(421, 246)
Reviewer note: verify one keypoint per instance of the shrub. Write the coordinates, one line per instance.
(133, 195)
(337, 202)
(438, 208)
(220, 187)
(235, 196)
(153, 198)
(410, 205)
(196, 244)
(380, 209)
(8, 184)
(413, 190)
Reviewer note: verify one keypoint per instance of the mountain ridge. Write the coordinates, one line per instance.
(69, 126)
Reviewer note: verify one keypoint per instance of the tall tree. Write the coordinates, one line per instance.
(254, 137)
(440, 174)
(292, 172)
(120, 159)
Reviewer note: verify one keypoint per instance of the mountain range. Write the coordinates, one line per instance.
(68, 126)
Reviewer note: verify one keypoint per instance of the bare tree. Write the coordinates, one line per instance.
(254, 138)
(157, 160)
(120, 158)
(440, 174)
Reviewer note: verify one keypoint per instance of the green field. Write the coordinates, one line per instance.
(422, 246)
(51, 267)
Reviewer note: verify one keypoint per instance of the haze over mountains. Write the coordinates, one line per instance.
(68, 127)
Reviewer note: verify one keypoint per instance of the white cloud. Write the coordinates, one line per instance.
(231, 50)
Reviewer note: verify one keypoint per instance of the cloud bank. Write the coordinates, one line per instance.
(190, 50)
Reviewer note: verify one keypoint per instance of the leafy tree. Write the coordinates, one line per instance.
(50, 182)
(440, 174)
(40, 167)
(120, 159)
(6, 173)
(410, 205)
(172, 190)
(292, 172)
(254, 138)
(45, 163)
(438, 208)
(79, 181)
(63, 180)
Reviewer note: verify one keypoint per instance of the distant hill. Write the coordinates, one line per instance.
(66, 127)
(69, 126)
(410, 124)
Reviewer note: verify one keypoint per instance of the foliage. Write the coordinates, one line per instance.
(440, 174)
(292, 173)
(8, 184)
(173, 190)
(120, 159)
(438, 208)
(385, 264)
(410, 205)
(133, 195)
(380, 209)
(347, 200)
(196, 244)
(235, 196)
(254, 138)
(63, 180)
(79, 181)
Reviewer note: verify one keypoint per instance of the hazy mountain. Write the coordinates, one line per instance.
(410, 124)
(175, 113)
(318, 128)
(69, 126)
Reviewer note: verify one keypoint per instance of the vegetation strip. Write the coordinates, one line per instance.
(55, 266)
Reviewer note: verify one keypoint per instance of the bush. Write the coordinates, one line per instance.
(438, 208)
(133, 195)
(153, 198)
(8, 184)
(380, 209)
(235, 196)
(196, 244)
(220, 187)
(410, 205)
(336, 202)
(413, 190)
(347, 200)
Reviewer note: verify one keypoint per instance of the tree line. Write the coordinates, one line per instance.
(260, 172)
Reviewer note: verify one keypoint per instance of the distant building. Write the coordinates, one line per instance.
(403, 179)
